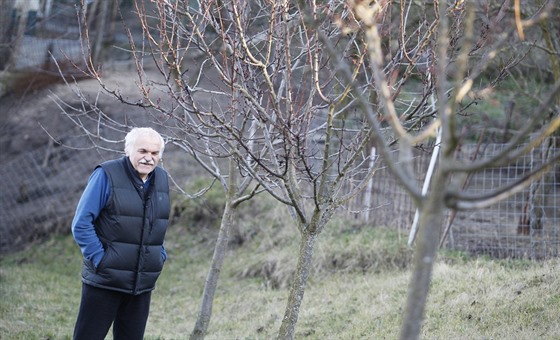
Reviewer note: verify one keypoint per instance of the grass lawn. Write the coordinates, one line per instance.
(359, 298)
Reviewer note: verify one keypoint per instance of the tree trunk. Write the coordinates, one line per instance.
(431, 217)
(205, 313)
(287, 329)
(5, 31)
(101, 22)
(532, 214)
(427, 180)
(47, 9)
(21, 24)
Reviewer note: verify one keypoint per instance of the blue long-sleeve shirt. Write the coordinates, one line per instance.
(93, 200)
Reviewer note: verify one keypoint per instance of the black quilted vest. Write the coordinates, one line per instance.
(131, 228)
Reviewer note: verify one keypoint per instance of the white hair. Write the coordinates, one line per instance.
(132, 136)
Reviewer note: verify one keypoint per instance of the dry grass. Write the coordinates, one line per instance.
(356, 290)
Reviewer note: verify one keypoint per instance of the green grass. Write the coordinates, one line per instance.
(361, 296)
(38, 291)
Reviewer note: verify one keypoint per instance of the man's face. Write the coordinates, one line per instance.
(144, 155)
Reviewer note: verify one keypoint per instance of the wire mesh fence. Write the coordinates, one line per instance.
(46, 37)
(39, 195)
(525, 225)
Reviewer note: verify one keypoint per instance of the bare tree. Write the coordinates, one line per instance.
(455, 73)
(278, 110)
(268, 101)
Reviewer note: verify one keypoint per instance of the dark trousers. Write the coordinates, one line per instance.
(100, 308)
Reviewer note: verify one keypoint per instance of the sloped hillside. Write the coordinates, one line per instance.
(47, 155)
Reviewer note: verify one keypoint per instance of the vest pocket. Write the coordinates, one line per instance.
(102, 262)
(106, 256)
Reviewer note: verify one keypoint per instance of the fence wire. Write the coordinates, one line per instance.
(52, 37)
(40, 194)
(525, 225)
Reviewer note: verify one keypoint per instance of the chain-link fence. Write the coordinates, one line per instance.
(49, 38)
(526, 225)
(35, 37)
(39, 194)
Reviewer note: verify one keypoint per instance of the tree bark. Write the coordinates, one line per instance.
(205, 313)
(21, 24)
(297, 289)
(5, 32)
(101, 22)
(431, 216)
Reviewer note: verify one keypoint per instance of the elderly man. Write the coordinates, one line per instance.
(120, 224)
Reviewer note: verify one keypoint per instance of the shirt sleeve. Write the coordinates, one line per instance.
(163, 253)
(93, 200)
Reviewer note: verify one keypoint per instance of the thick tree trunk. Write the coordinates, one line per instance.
(287, 329)
(429, 226)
